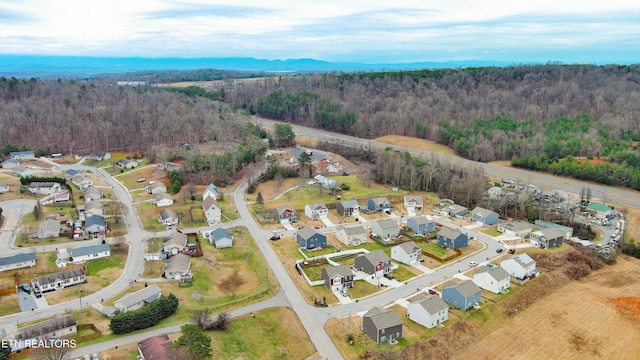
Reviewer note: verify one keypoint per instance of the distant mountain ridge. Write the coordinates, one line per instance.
(51, 67)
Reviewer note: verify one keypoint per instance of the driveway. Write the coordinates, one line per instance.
(288, 226)
(26, 301)
(327, 222)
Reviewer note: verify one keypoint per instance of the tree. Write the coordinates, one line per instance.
(231, 282)
(185, 195)
(51, 353)
(196, 342)
(37, 211)
(305, 160)
(200, 317)
(119, 241)
(284, 135)
(259, 199)
(588, 196)
(221, 322)
(5, 352)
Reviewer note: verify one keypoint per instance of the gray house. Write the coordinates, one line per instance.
(454, 210)
(138, 299)
(407, 253)
(482, 216)
(95, 224)
(21, 171)
(337, 277)
(221, 238)
(375, 263)
(379, 204)
(386, 228)
(17, 261)
(421, 225)
(285, 214)
(348, 208)
(10, 164)
(58, 327)
(309, 239)
(413, 202)
(59, 280)
(382, 325)
(452, 238)
(547, 238)
(49, 229)
(462, 295)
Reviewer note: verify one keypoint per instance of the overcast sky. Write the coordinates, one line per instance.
(369, 31)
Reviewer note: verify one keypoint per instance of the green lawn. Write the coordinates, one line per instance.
(361, 289)
(314, 273)
(323, 251)
(493, 232)
(432, 248)
(402, 274)
(116, 260)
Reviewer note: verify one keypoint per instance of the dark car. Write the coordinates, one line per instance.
(26, 288)
(389, 276)
(512, 251)
(499, 250)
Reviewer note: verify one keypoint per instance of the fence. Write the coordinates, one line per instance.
(96, 333)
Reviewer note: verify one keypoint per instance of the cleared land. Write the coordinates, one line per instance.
(418, 144)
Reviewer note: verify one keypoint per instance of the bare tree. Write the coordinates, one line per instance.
(200, 317)
(52, 353)
(119, 241)
(221, 322)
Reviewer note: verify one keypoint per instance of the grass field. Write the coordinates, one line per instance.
(418, 144)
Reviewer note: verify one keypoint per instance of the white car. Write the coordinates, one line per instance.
(473, 263)
(344, 292)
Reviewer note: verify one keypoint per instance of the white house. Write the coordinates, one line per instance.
(221, 238)
(87, 253)
(4, 187)
(520, 266)
(515, 228)
(325, 182)
(59, 280)
(176, 243)
(92, 193)
(93, 208)
(126, 164)
(177, 267)
(494, 279)
(156, 187)
(17, 261)
(316, 211)
(407, 253)
(428, 311)
(138, 299)
(413, 203)
(162, 199)
(168, 218)
(44, 188)
(211, 191)
(351, 236)
(212, 210)
(81, 181)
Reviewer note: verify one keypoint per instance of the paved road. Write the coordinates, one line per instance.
(601, 192)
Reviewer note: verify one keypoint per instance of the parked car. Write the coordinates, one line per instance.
(499, 250)
(473, 263)
(141, 179)
(26, 288)
(512, 251)
(344, 292)
(389, 276)
(433, 292)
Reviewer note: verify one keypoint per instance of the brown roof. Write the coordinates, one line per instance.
(156, 347)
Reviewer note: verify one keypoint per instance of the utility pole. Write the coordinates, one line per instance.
(266, 274)
(80, 297)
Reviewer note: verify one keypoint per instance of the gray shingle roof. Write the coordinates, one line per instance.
(350, 204)
(179, 262)
(220, 233)
(157, 185)
(432, 304)
(354, 230)
(383, 318)
(385, 224)
(422, 220)
(380, 200)
(45, 327)
(177, 239)
(167, 213)
(517, 226)
(49, 226)
(340, 270)
(90, 250)
(449, 233)
(413, 198)
(162, 196)
(317, 206)
(495, 272)
(66, 274)
(306, 232)
(482, 211)
(209, 202)
(131, 299)
(17, 258)
(550, 233)
(376, 257)
(467, 288)
(409, 247)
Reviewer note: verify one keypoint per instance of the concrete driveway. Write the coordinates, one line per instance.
(26, 301)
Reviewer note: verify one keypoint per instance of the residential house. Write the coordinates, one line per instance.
(515, 228)
(21, 155)
(285, 214)
(162, 199)
(155, 347)
(337, 277)
(168, 218)
(211, 191)
(99, 156)
(169, 166)
(70, 173)
(351, 236)
(454, 210)
(462, 295)
(407, 253)
(91, 194)
(375, 263)
(566, 230)
(521, 266)
(126, 164)
(428, 311)
(382, 325)
(494, 278)
(48, 229)
(22, 171)
(309, 239)
(176, 243)
(44, 188)
(55, 328)
(385, 228)
(87, 253)
(61, 197)
(602, 211)
(484, 217)
(136, 300)
(95, 224)
(10, 164)
(59, 280)
(81, 181)
(17, 261)
(93, 208)
(221, 238)
(316, 211)
(63, 258)
(421, 224)
(4, 187)
(413, 203)
(156, 187)
(547, 238)
(325, 182)
(452, 238)
(379, 204)
(348, 208)
(212, 210)
(177, 267)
